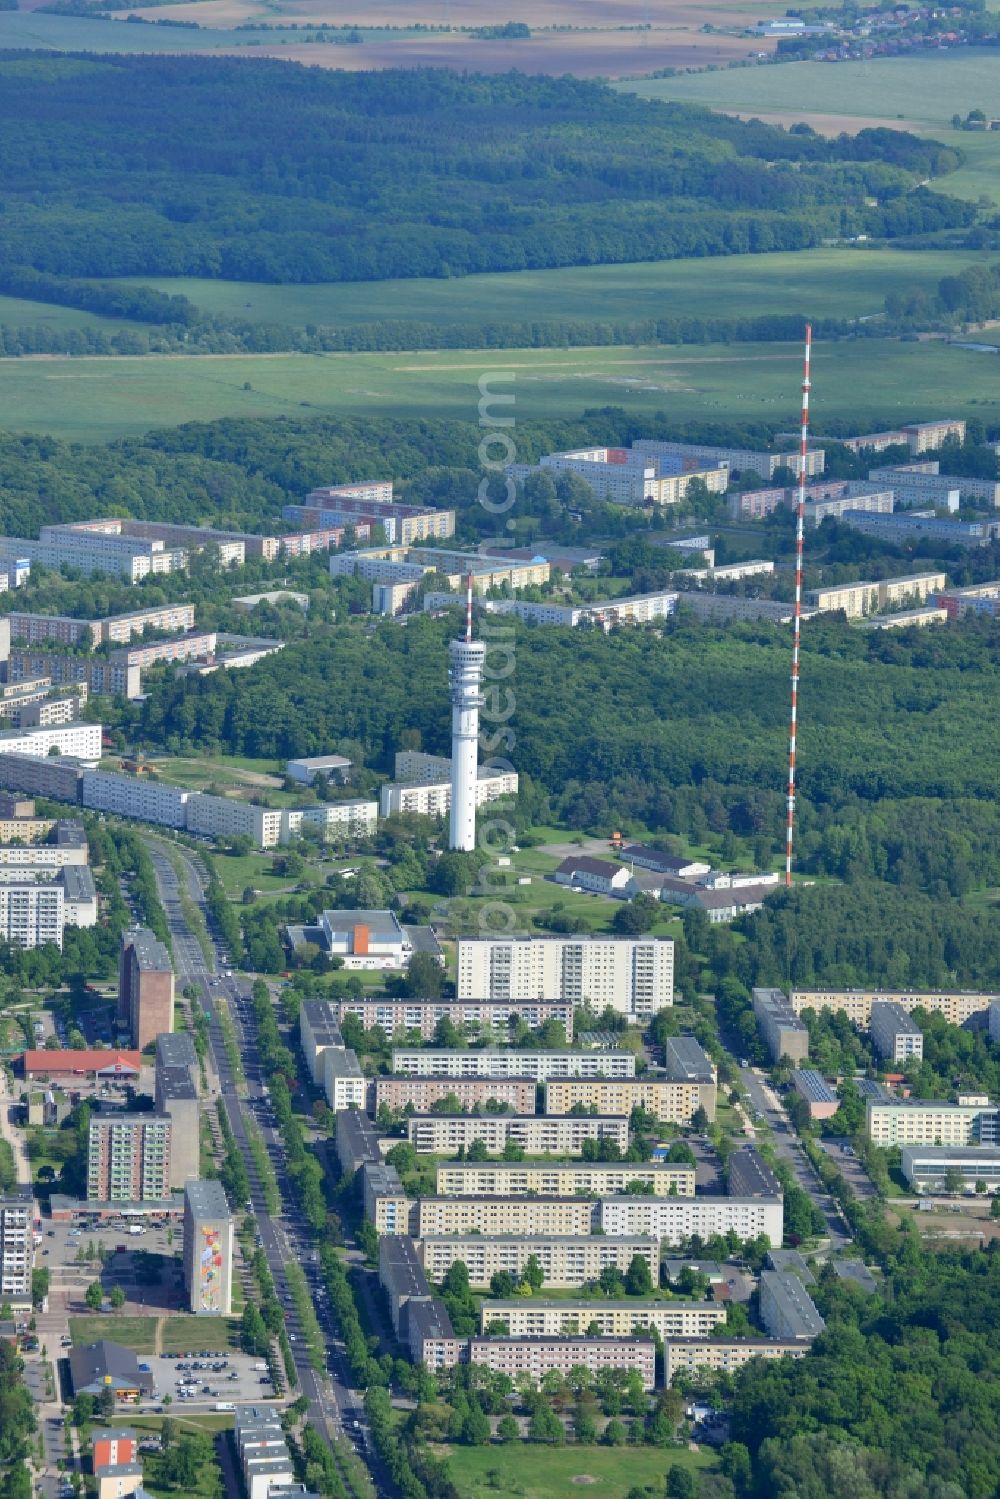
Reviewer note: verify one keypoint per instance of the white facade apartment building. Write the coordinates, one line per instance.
(490, 1062)
(32, 911)
(94, 552)
(536, 1356)
(561, 1179)
(932, 1122)
(536, 1318)
(434, 800)
(568, 1260)
(223, 816)
(357, 818)
(119, 628)
(634, 975)
(538, 1134)
(81, 741)
(672, 1220)
(500, 1215)
(141, 797)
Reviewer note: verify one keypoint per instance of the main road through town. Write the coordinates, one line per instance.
(335, 1408)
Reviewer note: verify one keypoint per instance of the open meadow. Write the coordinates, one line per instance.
(919, 93)
(868, 382)
(828, 282)
(532, 1472)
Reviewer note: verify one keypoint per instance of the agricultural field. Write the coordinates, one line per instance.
(870, 382)
(830, 282)
(19, 312)
(532, 1472)
(590, 46)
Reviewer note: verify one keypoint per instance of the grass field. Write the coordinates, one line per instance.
(237, 871)
(19, 312)
(530, 1472)
(188, 1334)
(830, 282)
(928, 87)
(871, 382)
(137, 1333)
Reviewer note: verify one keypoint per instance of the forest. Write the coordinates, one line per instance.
(265, 171)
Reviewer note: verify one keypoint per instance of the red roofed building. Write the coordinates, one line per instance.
(67, 1064)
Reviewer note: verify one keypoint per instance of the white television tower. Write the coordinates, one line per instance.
(465, 673)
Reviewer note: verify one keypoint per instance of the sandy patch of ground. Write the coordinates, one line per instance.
(824, 124)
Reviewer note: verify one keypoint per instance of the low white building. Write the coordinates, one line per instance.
(599, 876)
(366, 939)
(81, 741)
(332, 767)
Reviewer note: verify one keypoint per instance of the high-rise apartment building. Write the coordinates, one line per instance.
(16, 1248)
(634, 975)
(208, 1249)
(128, 1158)
(145, 987)
(176, 1097)
(32, 909)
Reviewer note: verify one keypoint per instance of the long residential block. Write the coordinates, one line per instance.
(493, 1062)
(318, 1030)
(673, 1220)
(139, 797)
(537, 1356)
(471, 1092)
(574, 1178)
(672, 1102)
(634, 975)
(99, 675)
(956, 1007)
(401, 1275)
(533, 1317)
(81, 741)
(725, 1355)
(500, 1215)
(540, 1134)
(357, 1140)
(568, 1260)
(471, 1015)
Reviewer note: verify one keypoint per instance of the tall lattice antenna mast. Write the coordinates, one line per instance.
(800, 525)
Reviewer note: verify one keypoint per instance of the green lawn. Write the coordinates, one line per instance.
(188, 1334)
(833, 282)
(237, 871)
(530, 1472)
(870, 383)
(138, 1333)
(19, 312)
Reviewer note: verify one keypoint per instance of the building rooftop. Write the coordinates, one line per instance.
(322, 1021)
(857, 1272)
(383, 1180)
(176, 1049)
(320, 762)
(359, 1134)
(207, 1199)
(900, 1019)
(429, 1319)
(96, 1366)
(868, 1088)
(382, 925)
(150, 952)
(399, 1267)
(69, 834)
(685, 1060)
(750, 1175)
(813, 1086)
(797, 1308)
(790, 1259)
(121, 1063)
(422, 939)
(175, 1082)
(603, 868)
(341, 1063)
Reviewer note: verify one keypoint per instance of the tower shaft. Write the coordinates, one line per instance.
(465, 673)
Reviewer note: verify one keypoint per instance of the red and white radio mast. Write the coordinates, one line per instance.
(800, 523)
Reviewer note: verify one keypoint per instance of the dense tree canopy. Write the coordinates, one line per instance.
(264, 171)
